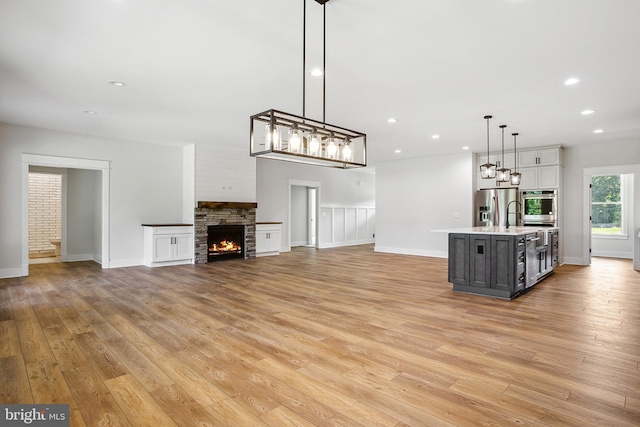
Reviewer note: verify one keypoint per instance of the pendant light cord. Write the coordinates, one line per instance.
(324, 61)
(304, 56)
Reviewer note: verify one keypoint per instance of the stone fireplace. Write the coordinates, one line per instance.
(224, 214)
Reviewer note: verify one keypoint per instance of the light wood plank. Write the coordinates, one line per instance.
(9, 342)
(138, 406)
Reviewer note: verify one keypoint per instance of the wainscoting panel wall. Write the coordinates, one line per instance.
(346, 225)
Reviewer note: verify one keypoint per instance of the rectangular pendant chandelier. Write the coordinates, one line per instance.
(282, 136)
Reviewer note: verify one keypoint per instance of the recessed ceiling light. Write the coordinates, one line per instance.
(587, 112)
(392, 120)
(398, 151)
(571, 81)
(90, 112)
(316, 72)
(465, 148)
(435, 136)
(598, 131)
(117, 83)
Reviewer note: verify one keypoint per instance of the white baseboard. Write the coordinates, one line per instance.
(613, 254)
(341, 244)
(8, 273)
(575, 261)
(80, 257)
(118, 263)
(418, 252)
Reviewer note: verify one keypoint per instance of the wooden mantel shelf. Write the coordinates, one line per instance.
(227, 205)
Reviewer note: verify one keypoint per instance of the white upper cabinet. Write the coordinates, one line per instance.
(539, 157)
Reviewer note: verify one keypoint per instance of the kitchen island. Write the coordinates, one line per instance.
(501, 262)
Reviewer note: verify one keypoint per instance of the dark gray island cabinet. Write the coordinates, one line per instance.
(501, 262)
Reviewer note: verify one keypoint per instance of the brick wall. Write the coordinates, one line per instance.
(45, 211)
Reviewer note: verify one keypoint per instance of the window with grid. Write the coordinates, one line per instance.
(607, 205)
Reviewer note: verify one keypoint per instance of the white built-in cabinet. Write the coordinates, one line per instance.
(268, 238)
(540, 168)
(168, 244)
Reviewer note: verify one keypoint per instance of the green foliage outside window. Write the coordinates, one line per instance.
(606, 204)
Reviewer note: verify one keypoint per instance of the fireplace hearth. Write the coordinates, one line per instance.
(225, 242)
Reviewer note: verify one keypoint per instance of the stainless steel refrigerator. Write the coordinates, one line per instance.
(491, 207)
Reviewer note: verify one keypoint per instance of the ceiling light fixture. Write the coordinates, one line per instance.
(503, 174)
(435, 136)
(392, 120)
(465, 148)
(515, 175)
(316, 72)
(571, 81)
(488, 170)
(117, 83)
(598, 131)
(398, 151)
(587, 112)
(309, 141)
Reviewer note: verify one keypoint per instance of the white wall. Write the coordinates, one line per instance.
(612, 157)
(338, 187)
(416, 196)
(82, 216)
(146, 186)
(224, 174)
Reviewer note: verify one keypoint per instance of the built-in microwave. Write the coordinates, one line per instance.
(539, 207)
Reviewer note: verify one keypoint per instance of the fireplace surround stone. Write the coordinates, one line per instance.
(224, 213)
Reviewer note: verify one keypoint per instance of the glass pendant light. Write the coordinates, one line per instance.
(272, 137)
(503, 174)
(515, 176)
(314, 143)
(346, 150)
(294, 139)
(332, 147)
(488, 170)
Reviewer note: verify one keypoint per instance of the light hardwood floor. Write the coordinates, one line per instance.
(334, 337)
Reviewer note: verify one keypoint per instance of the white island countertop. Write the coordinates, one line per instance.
(504, 231)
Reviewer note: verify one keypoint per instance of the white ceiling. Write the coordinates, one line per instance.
(195, 70)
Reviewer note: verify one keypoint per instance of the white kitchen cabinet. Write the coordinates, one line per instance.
(168, 244)
(268, 238)
(541, 177)
(539, 157)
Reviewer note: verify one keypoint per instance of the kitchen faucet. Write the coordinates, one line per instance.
(513, 201)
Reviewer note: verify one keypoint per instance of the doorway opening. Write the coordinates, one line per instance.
(304, 205)
(45, 217)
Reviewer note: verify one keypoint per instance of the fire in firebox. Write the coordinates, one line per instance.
(225, 246)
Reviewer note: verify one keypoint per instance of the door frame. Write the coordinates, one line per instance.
(587, 173)
(308, 184)
(72, 163)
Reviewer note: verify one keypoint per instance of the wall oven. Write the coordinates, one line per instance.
(539, 207)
